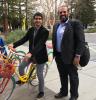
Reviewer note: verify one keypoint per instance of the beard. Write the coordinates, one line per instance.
(63, 18)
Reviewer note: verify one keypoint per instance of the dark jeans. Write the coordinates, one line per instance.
(66, 70)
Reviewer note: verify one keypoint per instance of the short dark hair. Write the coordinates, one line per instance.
(38, 14)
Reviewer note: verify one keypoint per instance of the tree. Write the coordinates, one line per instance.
(84, 11)
(14, 13)
(48, 9)
(5, 16)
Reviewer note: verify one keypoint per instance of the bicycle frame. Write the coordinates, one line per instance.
(3, 84)
(26, 77)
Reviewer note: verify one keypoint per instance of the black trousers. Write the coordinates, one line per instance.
(67, 71)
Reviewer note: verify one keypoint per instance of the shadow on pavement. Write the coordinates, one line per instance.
(26, 92)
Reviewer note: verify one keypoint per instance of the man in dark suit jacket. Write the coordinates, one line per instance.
(37, 37)
(68, 46)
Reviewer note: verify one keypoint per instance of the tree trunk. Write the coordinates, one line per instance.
(5, 18)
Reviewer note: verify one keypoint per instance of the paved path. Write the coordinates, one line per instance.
(87, 88)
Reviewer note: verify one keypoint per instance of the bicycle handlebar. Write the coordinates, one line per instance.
(13, 50)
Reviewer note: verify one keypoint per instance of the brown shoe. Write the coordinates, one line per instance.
(40, 95)
(59, 95)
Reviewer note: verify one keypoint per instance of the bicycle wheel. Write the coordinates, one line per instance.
(34, 80)
(6, 94)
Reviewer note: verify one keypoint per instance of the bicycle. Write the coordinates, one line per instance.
(6, 71)
(32, 69)
(30, 72)
(27, 78)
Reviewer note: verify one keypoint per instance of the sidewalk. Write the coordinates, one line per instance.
(87, 87)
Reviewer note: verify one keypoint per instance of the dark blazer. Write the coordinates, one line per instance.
(72, 42)
(39, 51)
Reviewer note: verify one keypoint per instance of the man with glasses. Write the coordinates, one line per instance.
(68, 45)
(37, 37)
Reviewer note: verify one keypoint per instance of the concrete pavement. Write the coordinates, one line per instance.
(87, 87)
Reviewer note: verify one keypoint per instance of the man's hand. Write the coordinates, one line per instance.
(27, 56)
(10, 46)
(76, 60)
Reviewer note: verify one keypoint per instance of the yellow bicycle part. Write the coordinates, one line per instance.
(24, 78)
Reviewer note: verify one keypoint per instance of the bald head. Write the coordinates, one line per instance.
(63, 12)
(63, 8)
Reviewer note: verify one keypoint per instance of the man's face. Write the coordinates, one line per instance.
(38, 21)
(63, 13)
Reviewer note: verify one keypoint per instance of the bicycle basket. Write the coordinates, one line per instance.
(7, 70)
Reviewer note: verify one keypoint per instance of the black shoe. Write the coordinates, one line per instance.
(59, 95)
(73, 98)
(19, 82)
(40, 95)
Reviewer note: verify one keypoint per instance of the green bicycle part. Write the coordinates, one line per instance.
(14, 85)
(22, 52)
(18, 55)
(16, 58)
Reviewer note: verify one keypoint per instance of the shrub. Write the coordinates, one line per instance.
(13, 36)
(91, 30)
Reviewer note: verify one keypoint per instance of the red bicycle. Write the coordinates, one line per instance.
(6, 79)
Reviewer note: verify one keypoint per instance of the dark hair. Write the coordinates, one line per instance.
(38, 14)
